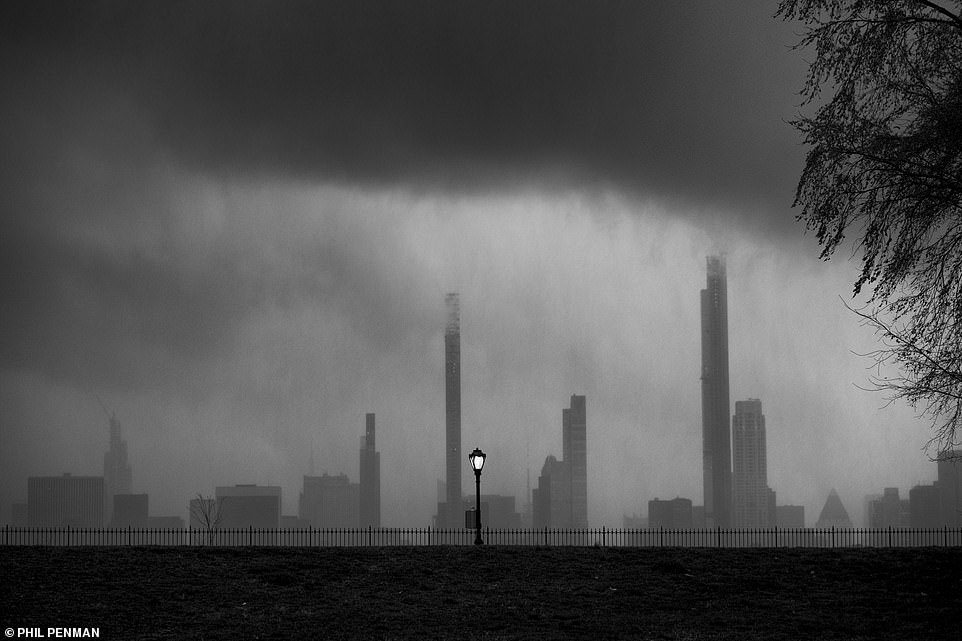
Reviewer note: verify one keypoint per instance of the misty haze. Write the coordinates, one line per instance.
(238, 306)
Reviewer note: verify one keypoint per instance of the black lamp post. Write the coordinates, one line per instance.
(477, 462)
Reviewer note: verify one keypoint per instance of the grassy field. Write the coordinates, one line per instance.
(486, 593)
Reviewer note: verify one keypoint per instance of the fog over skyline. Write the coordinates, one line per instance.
(236, 222)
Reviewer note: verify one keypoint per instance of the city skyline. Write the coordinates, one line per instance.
(333, 501)
(236, 226)
(561, 498)
(452, 364)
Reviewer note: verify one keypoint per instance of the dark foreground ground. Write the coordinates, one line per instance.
(485, 593)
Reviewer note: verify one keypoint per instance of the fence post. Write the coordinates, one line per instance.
(250, 535)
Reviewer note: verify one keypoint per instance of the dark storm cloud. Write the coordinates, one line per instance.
(681, 101)
(666, 100)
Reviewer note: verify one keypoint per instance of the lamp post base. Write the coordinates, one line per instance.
(477, 511)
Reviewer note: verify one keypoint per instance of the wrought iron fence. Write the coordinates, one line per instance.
(545, 537)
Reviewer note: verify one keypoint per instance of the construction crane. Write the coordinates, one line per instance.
(110, 415)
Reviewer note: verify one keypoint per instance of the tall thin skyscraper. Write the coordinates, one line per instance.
(452, 413)
(118, 476)
(715, 404)
(370, 499)
(750, 493)
(574, 445)
(950, 486)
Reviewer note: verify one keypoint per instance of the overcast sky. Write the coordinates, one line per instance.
(236, 222)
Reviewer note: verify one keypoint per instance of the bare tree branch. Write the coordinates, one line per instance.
(884, 166)
(957, 20)
(208, 512)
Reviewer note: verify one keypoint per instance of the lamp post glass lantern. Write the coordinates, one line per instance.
(477, 462)
(477, 459)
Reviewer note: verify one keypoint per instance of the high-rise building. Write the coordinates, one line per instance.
(330, 501)
(249, 505)
(574, 422)
(790, 516)
(925, 506)
(552, 498)
(117, 473)
(60, 501)
(950, 487)
(750, 492)
(674, 514)
(888, 510)
(715, 404)
(561, 498)
(454, 466)
(370, 502)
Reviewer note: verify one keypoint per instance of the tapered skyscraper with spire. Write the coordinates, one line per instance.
(118, 476)
(715, 404)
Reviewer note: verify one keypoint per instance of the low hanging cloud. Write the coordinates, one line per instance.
(343, 314)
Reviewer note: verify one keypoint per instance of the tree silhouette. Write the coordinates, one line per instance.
(885, 165)
(208, 512)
